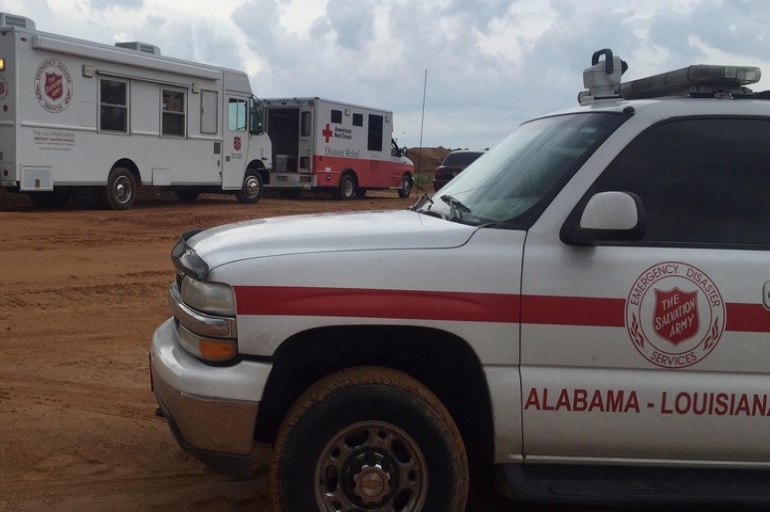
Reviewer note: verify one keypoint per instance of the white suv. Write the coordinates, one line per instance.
(599, 329)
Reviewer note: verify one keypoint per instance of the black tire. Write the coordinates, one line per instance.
(406, 187)
(360, 192)
(347, 188)
(373, 426)
(188, 195)
(252, 188)
(120, 192)
(290, 193)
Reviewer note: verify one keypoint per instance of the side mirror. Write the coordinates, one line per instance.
(404, 151)
(255, 122)
(256, 116)
(607, 217)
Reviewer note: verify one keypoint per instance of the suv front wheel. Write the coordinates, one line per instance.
(368, 438)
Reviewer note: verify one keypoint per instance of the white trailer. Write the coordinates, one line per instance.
(83, 117)
(336, 147)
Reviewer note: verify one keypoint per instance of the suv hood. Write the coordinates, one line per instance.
(334, 232)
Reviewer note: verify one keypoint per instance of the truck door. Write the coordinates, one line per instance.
(210, 126)
(236, 142)
(655, 349)
(377, 143)
(306, 132)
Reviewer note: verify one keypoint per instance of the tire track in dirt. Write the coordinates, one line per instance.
(103, 294)
(50, 243)
(96, 398)
(123, 493)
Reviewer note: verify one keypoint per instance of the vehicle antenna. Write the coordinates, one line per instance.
(422, 120)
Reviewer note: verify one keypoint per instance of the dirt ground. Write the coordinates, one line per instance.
(81, 291)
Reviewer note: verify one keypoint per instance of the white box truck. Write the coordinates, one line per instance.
(334, 147)
(84, 117)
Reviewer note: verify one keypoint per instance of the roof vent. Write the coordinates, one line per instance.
(11, 20)
(140, 47)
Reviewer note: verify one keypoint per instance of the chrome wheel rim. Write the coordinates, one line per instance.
(371, 465)
(347, 188)
(122, 190)
(251, 186)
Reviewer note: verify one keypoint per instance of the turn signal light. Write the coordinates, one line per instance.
(214, 350)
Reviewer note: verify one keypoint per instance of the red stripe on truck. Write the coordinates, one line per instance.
(460, 306)
(375, 303)
(553, 310)
(747, 318)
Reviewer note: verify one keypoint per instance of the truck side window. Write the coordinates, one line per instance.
(113, 105)
(236, 115)
(702, 181)
(375, 133)
(307, 125)
(174, 117)
(337, 116)
(358, 119)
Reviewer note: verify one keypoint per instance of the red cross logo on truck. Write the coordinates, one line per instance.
(327, 133)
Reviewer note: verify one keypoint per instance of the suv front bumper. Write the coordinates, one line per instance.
(212, 410)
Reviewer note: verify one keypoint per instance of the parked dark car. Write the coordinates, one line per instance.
(454, 163)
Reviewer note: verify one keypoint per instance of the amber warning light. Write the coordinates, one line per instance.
(2, 64)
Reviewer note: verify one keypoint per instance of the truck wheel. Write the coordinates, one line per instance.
(347, 188)
(368, 438)
(406, 187)
(120, 192)
(252, 188)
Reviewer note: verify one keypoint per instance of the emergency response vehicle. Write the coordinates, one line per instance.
(83, 117)
(339, 148)
(599, 329)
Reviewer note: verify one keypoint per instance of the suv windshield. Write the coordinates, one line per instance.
(516, 180)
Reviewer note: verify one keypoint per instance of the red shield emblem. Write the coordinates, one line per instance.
(54, 86)
(676, 315)
(237, 143)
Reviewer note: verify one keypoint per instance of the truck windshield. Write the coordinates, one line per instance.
(514, 182)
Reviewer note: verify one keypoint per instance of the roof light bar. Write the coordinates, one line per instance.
(697, 78)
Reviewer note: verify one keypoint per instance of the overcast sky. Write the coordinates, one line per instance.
(491, 64)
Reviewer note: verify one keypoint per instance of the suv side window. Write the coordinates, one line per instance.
(702, 181)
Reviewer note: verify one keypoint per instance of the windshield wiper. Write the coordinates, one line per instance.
(456, 208)
(421, 201)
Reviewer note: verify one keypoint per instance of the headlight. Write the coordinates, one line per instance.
(205, 319)
(212, 298)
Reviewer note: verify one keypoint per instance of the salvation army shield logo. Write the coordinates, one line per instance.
(53, 85)
(675, 315)
(237, 143)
